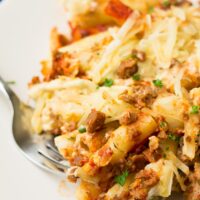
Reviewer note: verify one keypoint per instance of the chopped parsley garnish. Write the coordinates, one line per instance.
(195, 110)
(134, 55)
(128, 57)
(167, 148)
(11, 82)
(150, 9)
(136, 77)
(173, 137)
(163, 124)
(131, 56)
(158, 83)
(82, 129)
(108, 82)
(166, 3)
(121, 179)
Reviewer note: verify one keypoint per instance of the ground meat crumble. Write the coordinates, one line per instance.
(95, 121)
(144, 181)
(141, 95)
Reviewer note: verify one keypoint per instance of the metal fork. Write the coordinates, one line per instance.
(39, 149)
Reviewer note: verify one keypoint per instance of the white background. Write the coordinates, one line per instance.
(24, 41)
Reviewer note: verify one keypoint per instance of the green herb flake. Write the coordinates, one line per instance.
(82, 129)
(11, 82)
(163, 124)
(130, 57)
(195, 110)
(164, 155)
(134, 55)
(158, 83)
(151, 9)
(173, 137)
(108, 82)
(136, 77)
(167, 148)
(121, 179)
(166, 3)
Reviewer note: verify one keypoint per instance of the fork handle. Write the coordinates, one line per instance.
(6, 90)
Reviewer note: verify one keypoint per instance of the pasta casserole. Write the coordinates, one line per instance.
(121, 95)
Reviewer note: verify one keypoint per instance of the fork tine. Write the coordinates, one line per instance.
(54, 150)
(52, 160)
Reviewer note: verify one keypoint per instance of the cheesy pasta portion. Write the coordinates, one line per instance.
(121, 95)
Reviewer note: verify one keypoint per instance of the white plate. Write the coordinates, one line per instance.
(24, 41)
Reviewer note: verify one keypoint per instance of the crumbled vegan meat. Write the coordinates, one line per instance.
(136, 162)
(193, 190)
(141, 95)
(133, 132)
(35, 80)
(60, 64)
(57, 40)
(144, 181)
(95, 121)
(61, 67)
(127, 68)
(191, 80)
(152, 156)
(128, 117)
